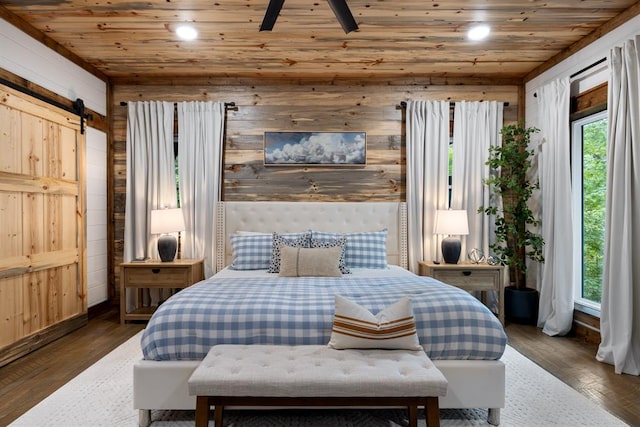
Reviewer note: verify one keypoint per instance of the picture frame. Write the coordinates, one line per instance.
(315, 148)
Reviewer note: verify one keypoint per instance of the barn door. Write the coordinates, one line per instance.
(42, 235)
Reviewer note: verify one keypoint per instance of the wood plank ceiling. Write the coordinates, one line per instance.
(396, 38)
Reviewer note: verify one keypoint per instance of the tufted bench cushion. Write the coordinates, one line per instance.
(314, 375)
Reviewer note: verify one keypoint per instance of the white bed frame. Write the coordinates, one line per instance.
(163, 385)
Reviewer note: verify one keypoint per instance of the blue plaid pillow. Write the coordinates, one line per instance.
(253, 251)
(364, 250)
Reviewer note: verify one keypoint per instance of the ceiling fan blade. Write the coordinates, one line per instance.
(342, 12)
(270, 16)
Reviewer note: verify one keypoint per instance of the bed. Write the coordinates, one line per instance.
(475, 373)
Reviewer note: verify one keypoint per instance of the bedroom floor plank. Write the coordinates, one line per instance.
(573, 361)
(26, 381)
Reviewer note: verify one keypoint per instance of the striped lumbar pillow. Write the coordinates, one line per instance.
(356, 327)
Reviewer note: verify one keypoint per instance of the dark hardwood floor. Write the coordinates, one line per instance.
(30, 379)
(573, 361)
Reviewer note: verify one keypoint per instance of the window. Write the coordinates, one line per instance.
(450, 169)
(175, 165)
(589, 169)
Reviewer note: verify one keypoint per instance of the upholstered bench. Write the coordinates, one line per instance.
(268, 375)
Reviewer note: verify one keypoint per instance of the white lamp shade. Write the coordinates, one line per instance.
(166, 221)
(451, 222)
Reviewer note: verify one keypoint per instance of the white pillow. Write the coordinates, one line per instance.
(278, 241)
(356, 327)
(310, 262)
(341, 242)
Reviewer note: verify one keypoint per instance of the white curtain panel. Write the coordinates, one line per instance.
(200, 143)
(619, 321)
(476, 127)
(151, 180)
(427, 124)
(555, 282)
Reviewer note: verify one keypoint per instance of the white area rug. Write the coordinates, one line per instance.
(102, 396)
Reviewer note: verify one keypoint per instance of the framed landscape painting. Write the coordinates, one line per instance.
(315, 148)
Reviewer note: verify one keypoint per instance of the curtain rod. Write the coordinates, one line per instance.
(588, 67)
(403, 104)
(226, 104)
(577, 73)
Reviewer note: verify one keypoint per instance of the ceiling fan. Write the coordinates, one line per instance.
(339, 7)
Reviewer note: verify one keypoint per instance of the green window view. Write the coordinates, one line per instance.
(589, 150)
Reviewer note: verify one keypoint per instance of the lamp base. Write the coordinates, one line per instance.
(451, 250)
(167, 247)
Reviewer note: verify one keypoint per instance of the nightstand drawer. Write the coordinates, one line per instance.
(469, 279)
(145, 277)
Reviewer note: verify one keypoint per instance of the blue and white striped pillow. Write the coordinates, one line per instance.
(252, 251)
(363, 250)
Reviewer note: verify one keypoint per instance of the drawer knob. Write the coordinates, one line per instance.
(466, 273)
(155, 270)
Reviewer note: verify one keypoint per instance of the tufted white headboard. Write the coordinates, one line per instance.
(287, 217)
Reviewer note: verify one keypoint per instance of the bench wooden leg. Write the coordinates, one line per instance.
(202, 411)
(413, 416)
(432, 412)
(217, 415)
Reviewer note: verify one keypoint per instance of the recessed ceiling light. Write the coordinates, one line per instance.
(186, 32)
(478, 32)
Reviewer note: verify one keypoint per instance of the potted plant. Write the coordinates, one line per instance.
(515, 240)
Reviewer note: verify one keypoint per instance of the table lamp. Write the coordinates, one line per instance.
(164, 221)
(451, 223)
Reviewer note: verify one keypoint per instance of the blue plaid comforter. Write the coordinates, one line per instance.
(299, 311)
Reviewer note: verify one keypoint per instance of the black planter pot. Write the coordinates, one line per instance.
(521, 305)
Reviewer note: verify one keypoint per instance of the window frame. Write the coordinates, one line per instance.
(577, 206)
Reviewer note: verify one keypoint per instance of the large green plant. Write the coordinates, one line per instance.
(509, 165)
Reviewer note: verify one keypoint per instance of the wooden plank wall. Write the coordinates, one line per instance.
(277, 105)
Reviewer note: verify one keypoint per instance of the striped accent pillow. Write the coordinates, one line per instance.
(356, 327)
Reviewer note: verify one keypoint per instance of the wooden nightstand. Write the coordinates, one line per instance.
(180, 273)
(470, 277)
